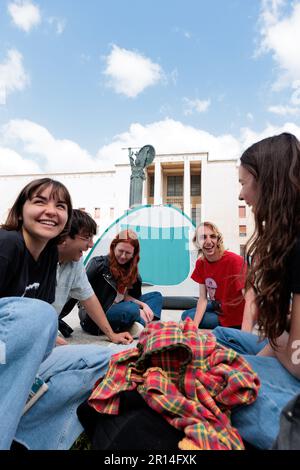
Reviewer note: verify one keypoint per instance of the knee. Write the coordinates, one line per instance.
(157, 296)
(219, 332)
(188, 313)
(44, 314)
(33, 313)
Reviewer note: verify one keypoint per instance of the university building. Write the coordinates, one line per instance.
(203, 189)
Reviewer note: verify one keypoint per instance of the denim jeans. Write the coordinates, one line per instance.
(70, 373)
(28, 328)
(121, 316)
(258, 423)
(209, 320)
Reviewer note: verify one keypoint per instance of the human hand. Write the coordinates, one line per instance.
(60, 341)
(122, 338)
(146, 313)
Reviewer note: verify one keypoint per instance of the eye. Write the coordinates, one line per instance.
(38, 201)
(62, 206)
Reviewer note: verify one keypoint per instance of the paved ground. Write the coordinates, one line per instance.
(80, 337)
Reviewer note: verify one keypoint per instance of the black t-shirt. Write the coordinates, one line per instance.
(293, 266)
(20, 274)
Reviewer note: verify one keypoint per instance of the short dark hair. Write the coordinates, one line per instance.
(82, 222)
(59, 191)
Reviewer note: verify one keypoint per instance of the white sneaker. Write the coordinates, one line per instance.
(136, 329)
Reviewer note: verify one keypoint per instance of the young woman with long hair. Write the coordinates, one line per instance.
(28, 326)
(117, 284)
(270, 177)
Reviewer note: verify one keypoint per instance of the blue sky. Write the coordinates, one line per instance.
(79, 79)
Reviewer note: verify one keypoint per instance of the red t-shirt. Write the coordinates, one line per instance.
(224, 280)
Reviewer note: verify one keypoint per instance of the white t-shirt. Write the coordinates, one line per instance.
(71, 281)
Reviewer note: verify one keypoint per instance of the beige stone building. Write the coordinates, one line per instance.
(203, 189)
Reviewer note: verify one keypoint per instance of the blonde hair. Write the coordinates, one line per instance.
(214, 228)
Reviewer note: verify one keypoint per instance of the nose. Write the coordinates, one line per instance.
(91, 243)
(240, 196)
(50, 208)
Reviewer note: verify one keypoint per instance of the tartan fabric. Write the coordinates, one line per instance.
(187, 377)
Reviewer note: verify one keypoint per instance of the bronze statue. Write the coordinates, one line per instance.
(143, 158)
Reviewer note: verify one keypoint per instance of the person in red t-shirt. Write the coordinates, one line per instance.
(221, 276)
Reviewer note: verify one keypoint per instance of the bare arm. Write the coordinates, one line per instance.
(288, 352)
(201, 305)
(250, 311)
(95, 311)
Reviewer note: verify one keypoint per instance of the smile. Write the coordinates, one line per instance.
(49, 223)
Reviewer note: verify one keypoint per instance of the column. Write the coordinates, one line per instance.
(157, 184)
(187, 187)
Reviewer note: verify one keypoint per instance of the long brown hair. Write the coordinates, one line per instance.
(275, 164)
(14, 219)
(125, 275)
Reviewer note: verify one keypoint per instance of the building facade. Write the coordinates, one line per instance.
(203, 189)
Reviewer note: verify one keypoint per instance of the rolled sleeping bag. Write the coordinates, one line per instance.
(179, 302)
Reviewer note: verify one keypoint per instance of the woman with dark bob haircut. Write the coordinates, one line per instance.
(117, 284)
(28, 326)
(270, 177)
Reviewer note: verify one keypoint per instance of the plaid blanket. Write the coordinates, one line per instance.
(187, 377)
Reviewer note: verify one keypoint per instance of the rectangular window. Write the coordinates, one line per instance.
(151, 185)
(242, 230)
(195, 185)
(196, 215)
(242, 212)
(174, 185)
(97, 213)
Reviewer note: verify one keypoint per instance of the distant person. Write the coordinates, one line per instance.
(28, 326)
(117, 284)
(220, 275)
(270, 177)
(72, 279)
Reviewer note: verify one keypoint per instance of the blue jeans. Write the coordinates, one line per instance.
(121, 316)
(258, 423)
(28, 329)
(210, 319)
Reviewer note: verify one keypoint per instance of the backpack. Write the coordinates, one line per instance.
(136, 427)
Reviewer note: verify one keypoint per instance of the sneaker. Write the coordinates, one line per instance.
(136, 329)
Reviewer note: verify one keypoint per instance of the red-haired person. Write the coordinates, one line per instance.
(116, 282)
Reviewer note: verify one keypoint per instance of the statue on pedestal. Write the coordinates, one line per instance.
(143, 158)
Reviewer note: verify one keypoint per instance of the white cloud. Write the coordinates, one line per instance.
(130, 73)
(195, 105)
(249, 137)
(280, 35)
(12, 163)
(169, 136)
(24, 14)
(12, 75)
(58, 23)
(185, 33)
(284, 110)
(42, 152)
(54, 155)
